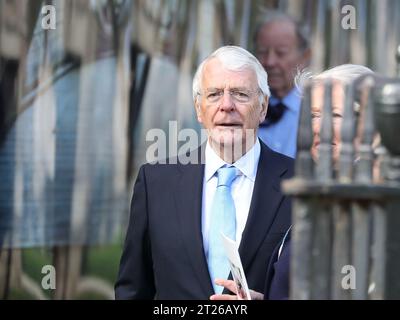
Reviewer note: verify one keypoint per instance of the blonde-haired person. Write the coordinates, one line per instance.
(277, 278)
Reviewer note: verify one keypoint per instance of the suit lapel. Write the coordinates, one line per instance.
(188, 198)
(264, 205)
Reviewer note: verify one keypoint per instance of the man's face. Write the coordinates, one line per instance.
(316, 114)
(227, 119)
(278, 50)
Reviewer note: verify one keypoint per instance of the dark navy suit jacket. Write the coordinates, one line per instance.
(277, 279)
(163, 256)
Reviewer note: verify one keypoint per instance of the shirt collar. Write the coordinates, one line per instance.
(291, 100)
(247, 164)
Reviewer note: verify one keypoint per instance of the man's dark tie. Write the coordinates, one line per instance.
(274, 114)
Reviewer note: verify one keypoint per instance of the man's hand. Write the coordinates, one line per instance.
(230, 285)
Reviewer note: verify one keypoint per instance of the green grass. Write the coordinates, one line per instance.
(103, 262)
(33, 261)
(19, 295)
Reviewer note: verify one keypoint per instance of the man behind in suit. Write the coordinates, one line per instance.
(283, 48)
(173, 246)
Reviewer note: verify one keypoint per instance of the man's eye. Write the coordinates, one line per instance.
(212, 95)
(240, 94)
(281, 53)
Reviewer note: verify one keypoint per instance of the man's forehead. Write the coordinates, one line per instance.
(279, 26)
(278, 33)
(216, 71)
(215, 63)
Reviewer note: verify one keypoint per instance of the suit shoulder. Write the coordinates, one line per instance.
(192, 157)
(280, 158)
(288, 161)
(157, 168)
(283, 157)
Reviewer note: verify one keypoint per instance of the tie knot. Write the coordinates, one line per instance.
(226, 175)
(274, 114)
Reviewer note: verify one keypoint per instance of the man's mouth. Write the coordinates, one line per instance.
(229, 125)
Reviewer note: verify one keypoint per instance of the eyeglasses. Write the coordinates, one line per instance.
(239, 96)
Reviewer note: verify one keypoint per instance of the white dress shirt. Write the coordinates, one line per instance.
(242, 188)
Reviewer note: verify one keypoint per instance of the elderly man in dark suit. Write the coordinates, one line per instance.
(173, 247)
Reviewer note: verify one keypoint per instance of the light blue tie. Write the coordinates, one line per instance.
(223, 219)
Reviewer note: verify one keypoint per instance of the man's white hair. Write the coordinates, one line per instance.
(233, 58)
(345, 73)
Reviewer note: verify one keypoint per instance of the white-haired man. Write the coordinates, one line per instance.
(173, 246)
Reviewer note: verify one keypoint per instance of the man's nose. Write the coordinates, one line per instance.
(226, 102)
(269, 59)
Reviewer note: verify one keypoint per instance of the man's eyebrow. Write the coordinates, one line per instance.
(231, 88)
(279, 47)
(239, 89)
(213, 89)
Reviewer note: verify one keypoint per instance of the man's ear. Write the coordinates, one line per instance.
(198, 111)
(264, 108)
(306, 58)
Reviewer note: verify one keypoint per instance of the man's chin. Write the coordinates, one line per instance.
(228, 136)
(225, 141)
(234, 140)
(276, 85)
